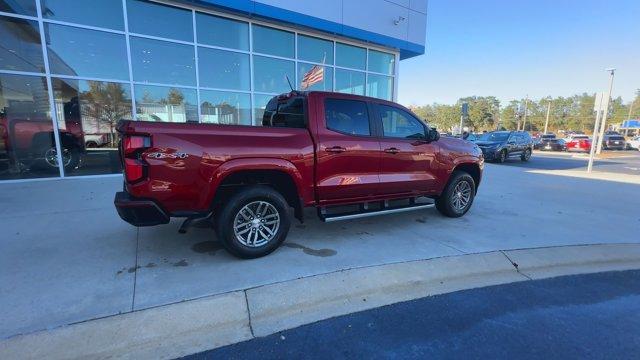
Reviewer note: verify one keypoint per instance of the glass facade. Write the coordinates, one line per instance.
(69, 71)
(20, 49)
(86, 53)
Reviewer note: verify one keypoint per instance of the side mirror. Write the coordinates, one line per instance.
(432, 135)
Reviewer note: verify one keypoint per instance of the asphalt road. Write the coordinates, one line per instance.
(594, 316)
(628, 162)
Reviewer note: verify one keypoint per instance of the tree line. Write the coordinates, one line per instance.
(487, 113)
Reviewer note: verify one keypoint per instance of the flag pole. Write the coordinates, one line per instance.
(324, 83)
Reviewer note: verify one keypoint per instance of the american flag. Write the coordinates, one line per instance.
(313, 76)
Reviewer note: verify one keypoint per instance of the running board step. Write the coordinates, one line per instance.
(361, 214)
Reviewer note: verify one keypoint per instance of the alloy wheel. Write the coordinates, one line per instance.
(461, 196)
(51, 157)
(256, 224)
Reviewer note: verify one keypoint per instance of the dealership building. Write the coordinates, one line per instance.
(69, 70)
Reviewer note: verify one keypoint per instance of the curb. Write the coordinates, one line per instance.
(542, 263)
(192, 326)
(287, 305)
(163, 332)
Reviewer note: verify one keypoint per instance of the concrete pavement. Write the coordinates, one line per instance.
(66, 257)
(618, 162)
(188, 327)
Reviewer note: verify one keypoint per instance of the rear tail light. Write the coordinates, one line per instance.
(135, 169)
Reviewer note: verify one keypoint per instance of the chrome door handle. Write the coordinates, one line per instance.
(392, 150)
(336, 149)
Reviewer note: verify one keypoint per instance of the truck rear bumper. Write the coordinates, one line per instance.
(139, 212)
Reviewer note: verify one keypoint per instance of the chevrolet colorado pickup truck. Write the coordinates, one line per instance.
(348, 156)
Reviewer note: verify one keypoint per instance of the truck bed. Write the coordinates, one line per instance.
(186, 158)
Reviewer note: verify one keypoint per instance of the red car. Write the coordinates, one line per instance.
(315, 149)
(580, 143)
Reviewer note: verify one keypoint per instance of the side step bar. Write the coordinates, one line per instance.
(361, 214)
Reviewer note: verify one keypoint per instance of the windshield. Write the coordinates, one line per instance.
(494, 136)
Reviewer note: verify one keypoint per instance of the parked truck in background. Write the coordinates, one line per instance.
(348, 156)
(28, 143)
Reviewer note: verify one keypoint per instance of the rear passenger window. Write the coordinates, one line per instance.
(347, 116)
(284, 113)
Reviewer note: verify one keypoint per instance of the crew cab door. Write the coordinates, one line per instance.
(347, 151)
(521, 142)
(512, 144)
(407, 158)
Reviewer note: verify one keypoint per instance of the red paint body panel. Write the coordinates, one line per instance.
(187, 162)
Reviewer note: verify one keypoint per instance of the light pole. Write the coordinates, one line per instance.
(603, 121)
(526, 104)
(597, 107)
(546, 122)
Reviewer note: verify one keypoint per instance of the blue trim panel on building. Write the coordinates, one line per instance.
(259, 10)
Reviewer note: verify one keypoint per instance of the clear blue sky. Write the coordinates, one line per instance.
(512, 48)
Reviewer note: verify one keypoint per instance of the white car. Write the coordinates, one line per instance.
(634, 143)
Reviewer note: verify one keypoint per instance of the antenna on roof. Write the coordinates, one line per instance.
(289, 81)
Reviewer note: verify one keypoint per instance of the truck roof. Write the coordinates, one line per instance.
(330, 93)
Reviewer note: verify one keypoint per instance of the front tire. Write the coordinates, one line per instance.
(457, 197)
(502, 157)
(253, 222)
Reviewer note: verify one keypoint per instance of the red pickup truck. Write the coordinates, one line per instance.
(348, 156)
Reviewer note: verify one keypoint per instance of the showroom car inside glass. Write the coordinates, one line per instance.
(69, 71)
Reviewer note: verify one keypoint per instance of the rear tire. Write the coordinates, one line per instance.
(457, 197)
(526, 155)
(253, 222)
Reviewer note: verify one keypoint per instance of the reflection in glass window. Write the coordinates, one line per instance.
(92, 110)
(224, 69)
(22, 7)
(167, 104)
(20, 48)
(350, 82)
(218, 31)
(270, 75)
(259, 104)
(288, 113)
(158, 61)
(315, 77)
(380, 86)
(381, 62)
(27, 148)
(81, 52)
(223, 107)
(347, 116)
(273, 41)
(99, 13)
(397, 123)
(155, 19)
(351, 56)
(315, 50)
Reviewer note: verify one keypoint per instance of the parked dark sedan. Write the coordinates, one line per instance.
(537, 141)
(500, 145)
(553, 145)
